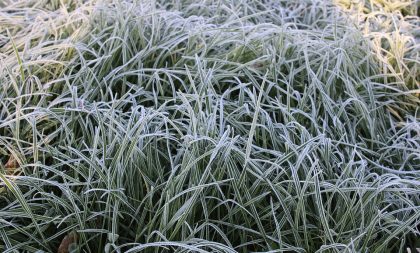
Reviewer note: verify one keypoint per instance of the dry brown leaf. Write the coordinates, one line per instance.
(66, 242)
(11, 167)
(11, 164)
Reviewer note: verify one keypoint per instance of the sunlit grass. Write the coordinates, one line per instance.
(208, 126)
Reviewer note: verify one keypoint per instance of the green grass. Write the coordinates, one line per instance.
(209, 125)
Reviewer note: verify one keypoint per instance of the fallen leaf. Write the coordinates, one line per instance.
(11, 164)
(11, 167)
(66, 242)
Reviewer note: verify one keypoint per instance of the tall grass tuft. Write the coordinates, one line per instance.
(209, 126)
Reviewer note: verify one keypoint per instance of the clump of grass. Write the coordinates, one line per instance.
(206, 126)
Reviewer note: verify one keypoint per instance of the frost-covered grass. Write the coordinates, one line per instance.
(209, 126)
